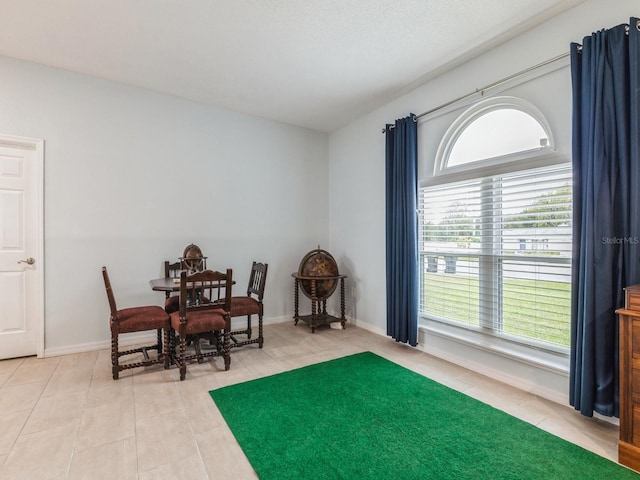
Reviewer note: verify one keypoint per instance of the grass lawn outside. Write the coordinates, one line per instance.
(533, 309)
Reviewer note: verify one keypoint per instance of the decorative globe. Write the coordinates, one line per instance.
(192, 257)
(318, 263)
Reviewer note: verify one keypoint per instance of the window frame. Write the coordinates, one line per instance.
(478, 110)
(546, 355)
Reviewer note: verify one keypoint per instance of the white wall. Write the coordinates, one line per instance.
(357, 190)
(122, 166)
(132, 177)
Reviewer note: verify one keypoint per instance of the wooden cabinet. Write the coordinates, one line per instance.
(629, 318)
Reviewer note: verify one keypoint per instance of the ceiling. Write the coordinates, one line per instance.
(318, 64)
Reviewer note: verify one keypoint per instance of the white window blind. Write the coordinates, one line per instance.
(495, 255)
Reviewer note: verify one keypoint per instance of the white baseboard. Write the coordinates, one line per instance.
(509, 371)
(541, 380)
(127, 340)
(502, 376)
(366, 326)
(274, 320)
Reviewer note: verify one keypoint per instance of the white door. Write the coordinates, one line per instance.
(21, 248)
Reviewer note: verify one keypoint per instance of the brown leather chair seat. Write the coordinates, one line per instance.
(136, 319)
(202, 313)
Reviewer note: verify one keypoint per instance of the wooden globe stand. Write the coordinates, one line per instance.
(317, 278)
(192, 259)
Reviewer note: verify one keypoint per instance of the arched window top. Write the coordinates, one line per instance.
(494, 131)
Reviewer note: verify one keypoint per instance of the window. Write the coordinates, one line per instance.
(494, 131)
(495, 247)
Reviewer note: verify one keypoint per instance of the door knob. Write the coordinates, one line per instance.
(28, 261)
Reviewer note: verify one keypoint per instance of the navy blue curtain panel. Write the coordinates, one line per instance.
(402, 230)
(606, 222)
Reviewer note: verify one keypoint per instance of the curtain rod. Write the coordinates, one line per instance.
(499, 82)
(486, 87)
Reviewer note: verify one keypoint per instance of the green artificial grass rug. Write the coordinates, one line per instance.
(364, 417)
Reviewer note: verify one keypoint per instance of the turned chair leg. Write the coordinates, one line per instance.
(159, 336)
(182, 362)
(260, 335)
(167, 349)
(197, 347)
(227, 350)
(115, 370)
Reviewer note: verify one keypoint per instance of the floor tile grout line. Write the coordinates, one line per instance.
(74, 451)
(286, 352)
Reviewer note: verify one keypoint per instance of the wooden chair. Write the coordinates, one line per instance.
(172, 270)
(249, 305)
(136, 319)
(197, 319)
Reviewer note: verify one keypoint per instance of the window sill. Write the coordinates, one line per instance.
(555, 362)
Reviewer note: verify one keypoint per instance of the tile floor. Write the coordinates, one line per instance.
(65, 418)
